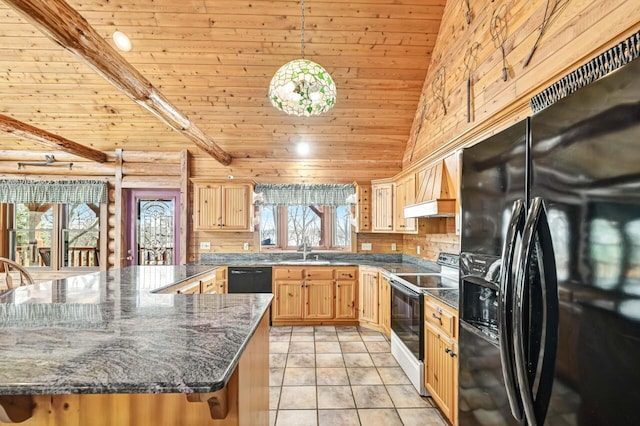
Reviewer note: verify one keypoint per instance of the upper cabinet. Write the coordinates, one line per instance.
(362, 210)
(222, 206)
(405, 195)
(388, 202)
(382, 206)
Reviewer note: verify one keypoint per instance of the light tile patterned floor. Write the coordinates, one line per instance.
(338, 376)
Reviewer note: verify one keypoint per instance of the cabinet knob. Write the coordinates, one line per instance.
(439, 318)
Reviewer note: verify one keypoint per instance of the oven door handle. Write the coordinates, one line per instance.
(403, 289)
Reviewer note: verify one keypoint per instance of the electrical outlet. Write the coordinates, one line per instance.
(366, 246)
(418, 250)
(394, 247)
(205, 245)
(245, 246)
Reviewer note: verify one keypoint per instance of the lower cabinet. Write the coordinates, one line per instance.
(215, 284)
(318, 299)
(288, 300)
(314, 295)
(369, 297)
(375, 300)
(441, 357)
(385, 305)
(346, 300)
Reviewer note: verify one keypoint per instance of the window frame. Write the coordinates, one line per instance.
(57, 238)
(327, 228)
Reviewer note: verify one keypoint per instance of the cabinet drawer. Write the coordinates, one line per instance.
(288, 273)
(191, 288)
(350, 273)
(440, 318)
(318, 273)
(208, 285)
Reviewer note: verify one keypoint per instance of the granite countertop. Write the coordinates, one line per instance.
(107, 332)
(391, 264)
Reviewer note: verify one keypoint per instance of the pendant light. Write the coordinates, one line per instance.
(302, 87)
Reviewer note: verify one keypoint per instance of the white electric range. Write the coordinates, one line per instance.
(407, 314)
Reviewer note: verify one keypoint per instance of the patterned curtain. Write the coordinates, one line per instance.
(299, 194)
(53, 191)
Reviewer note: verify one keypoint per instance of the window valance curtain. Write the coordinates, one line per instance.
(53, 191)
(300, 194)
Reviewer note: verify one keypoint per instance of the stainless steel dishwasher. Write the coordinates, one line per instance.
(249, 279)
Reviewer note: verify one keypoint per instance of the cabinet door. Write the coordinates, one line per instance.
(345, 299)
(318, 299)
(385, 305)
(369, 302)
(382, 205)
(288, 300)
(236, 205)
(441, 365)
(405, 195)
(207, 209)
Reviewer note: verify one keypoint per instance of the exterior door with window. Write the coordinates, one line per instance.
(153, 227)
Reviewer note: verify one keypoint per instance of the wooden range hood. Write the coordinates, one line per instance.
(434, 195)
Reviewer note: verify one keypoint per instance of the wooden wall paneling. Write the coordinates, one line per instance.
(111, 232)
(64, 25)
(104, 236)
(582, 30)
(215, 63)
(380, 243)
(184, 205)
(120, 226)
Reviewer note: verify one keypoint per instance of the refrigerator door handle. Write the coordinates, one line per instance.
(505, 307)
(535, 408)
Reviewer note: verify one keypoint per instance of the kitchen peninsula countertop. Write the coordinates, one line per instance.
(107, 332)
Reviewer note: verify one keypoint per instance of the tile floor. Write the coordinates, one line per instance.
(334, 376)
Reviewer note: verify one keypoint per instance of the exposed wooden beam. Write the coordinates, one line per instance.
(50, 140)
(62, 24)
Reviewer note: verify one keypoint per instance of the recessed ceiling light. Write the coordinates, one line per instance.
(303, 148)
(122, 41)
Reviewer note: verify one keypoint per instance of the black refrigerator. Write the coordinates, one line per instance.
(550, 264)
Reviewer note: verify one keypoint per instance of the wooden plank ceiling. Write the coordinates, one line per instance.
(214, 60)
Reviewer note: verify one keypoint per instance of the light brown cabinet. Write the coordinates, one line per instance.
(375, 300)
(388, 202)
(382, 207)
(441, 356)
(215, 284)
(405, 195)
(362, 210)
(288, 300)
(314, 295)
(318, 299)
(346, 299)
(385, 305)
(222, 206)
(369, 296)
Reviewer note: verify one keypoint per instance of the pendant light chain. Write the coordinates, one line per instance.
(302, 87)
(302, 28)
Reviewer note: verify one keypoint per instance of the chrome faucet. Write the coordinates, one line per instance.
(305, 250)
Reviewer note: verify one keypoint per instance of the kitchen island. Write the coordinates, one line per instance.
(106, 349)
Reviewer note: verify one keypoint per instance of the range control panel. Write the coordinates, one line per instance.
(449, 259)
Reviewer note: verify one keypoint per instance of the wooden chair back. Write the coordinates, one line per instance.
(13, 274)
